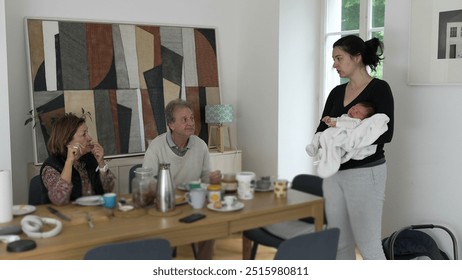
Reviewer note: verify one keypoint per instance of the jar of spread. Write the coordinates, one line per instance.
(214, 193)
(229, 183)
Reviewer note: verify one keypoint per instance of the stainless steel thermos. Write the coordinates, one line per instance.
(165, 195)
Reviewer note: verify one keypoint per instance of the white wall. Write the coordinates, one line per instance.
(257, 85)
(424, 177)
(299, 89)
(5, 153)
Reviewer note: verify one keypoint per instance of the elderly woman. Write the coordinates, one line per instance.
(76, 165)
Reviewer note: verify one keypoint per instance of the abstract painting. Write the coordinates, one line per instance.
(122, 75)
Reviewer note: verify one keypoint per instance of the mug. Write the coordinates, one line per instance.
(280, 188)
(245, 190)
(109, 200)
(230, 200)
(245, 185)
(194, 185)
(196, 198)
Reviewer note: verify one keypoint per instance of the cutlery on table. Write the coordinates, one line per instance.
(90, 221)
(57, 213)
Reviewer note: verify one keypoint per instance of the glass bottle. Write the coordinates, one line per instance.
(144, 187)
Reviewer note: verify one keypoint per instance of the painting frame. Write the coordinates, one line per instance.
(428, 64)
(120, 75)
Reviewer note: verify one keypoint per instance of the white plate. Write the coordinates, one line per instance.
(182, 187)
(19, 210)
(126, 208)
(265, 190)
(91, 200)
(237, 206)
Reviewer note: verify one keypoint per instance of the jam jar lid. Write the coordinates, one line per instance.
(214, 187)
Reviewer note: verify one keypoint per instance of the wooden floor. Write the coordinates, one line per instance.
(227, 249)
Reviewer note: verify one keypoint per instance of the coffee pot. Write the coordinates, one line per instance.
(165, 189)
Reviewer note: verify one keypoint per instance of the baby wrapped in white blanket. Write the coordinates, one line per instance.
(337, 145)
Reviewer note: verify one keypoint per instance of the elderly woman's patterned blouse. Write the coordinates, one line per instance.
(59, 190)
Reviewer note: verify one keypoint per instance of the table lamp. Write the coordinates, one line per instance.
(215, 117)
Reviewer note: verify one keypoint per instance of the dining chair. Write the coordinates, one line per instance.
(311, 184)
(131, 175)
(149, 249)
(37, 196)
(320, 245)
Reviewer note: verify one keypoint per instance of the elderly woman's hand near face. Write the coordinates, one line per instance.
(98, 152)
(74, 151)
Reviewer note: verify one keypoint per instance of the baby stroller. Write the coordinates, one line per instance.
(411, 243)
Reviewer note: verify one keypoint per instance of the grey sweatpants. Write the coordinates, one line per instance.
(354, 203)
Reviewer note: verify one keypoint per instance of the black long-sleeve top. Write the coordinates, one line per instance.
(377, 92)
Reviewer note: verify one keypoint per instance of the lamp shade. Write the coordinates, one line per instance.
(218, 114)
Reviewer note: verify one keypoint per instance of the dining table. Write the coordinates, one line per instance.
(112, 225)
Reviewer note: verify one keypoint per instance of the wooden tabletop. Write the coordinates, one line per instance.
(112, 226)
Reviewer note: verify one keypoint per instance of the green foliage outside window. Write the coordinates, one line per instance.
(350, 21)
(350, 14)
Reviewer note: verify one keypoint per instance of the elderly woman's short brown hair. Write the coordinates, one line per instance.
(62, 132)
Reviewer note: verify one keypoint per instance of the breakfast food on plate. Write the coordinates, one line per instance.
(217, 204)
(179, 199)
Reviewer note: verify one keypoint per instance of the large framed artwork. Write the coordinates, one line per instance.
(435, 56)
(121, 76)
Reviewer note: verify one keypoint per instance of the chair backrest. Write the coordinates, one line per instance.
(150, 249)
(36, 193)
(320, 245)
(131, 175)
(311, 184)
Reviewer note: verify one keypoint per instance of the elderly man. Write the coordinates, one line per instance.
(187, 154)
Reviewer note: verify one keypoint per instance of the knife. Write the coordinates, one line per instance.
(57, 213)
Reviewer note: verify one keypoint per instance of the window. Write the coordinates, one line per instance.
(344, 17)
(453, 32)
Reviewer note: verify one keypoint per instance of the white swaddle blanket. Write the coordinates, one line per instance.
(337, 145)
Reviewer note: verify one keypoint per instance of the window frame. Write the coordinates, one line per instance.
(365, 31)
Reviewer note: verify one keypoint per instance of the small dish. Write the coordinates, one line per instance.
(237, 206)
(92, 200)
(126, 208)
(265, 190)
(19, 210)
(182, 187)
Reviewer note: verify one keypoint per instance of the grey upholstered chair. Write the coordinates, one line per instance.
(320, 245)
(150, 249)
(260, 236)
(37, 196)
